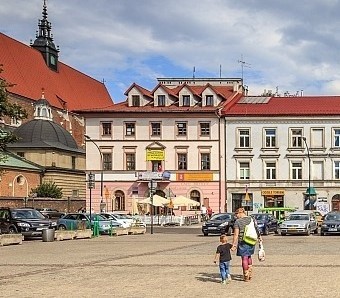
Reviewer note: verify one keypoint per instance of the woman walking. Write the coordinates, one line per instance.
(244, 250)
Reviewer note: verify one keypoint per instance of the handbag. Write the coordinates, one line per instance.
(250, 233)
(261, 254)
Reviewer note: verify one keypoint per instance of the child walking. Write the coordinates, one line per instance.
(223, 256)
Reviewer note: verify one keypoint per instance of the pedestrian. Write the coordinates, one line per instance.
(203, 213)
(223, 258)
(210, 212)
(244, 250)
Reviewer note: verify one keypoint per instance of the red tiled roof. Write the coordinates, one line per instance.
(286, 106)
(140, 89)
(25, 67)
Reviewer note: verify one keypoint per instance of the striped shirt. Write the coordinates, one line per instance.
(240, 223)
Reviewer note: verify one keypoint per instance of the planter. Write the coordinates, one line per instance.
(83, 234)
(137, 230)
(120, 231)
(60, 235)
(8, 239)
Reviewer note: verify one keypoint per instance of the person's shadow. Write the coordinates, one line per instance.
(215, 277)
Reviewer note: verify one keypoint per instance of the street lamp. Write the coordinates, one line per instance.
(308, 190)
(101, 166)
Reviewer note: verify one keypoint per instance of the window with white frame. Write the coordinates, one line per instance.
(270, 137)
(186, 100)
(296, 170)
(317, 140)
(209, 100)
(130, 161)
(336, 132)
(161, 100)
(296, 138)
(244, 138)
(182, 159)
(204, 128)
(336, 169)
(205, 161)
(181, 128)
(244, 170)
(130, 129)
(106, 129)
(270, 170)
(155, 128)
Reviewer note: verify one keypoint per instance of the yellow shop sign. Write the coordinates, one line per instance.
(155, 154)
(272, 192)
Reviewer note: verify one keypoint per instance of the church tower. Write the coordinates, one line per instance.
(44, 41)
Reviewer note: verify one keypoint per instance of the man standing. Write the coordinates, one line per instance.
(203, 213)
(210, 212)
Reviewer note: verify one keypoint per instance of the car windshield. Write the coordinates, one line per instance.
(27, 214)
(123, 216)
(298, 217)
(97, 216)
(221, 217)
(332, 217)
(260, 216)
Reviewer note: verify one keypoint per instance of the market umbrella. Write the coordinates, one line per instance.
(156, 201)
(184, 201)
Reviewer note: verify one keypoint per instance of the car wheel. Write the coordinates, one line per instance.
(276, 231)
(308, 231)
(266, 231)
(322, 233)
(61, 227)
(205, 234)
(229, 231)
(316, 231)
(12, 230)
(283, 234)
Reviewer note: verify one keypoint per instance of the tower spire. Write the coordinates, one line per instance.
(44, 41)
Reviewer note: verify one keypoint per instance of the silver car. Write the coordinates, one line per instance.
(299, 222)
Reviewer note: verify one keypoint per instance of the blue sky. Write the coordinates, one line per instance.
(287, 45)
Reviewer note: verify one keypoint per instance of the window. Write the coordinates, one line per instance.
(119, 201)
(270, 141)
(244, 170)
(186, 100)
(196, 196)
(155, 129)
(157, 166)
(106, 128)
(296, 138)
(205, 161)
(205, 128)
(181, 128)
(209, 100)
(161, 100)
(296, 170)
(107, 161)
(135, 101)
(337, 170)
(244, 138)
(182, 161)
(270, 170)
(129, 129)
(73, 162)
(130, 161)
(336, 138)
(21, 154)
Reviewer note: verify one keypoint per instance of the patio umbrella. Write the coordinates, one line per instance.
(184, 201)
(156, 201)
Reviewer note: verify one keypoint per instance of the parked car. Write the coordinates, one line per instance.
(51, 213)
(300, 222)
(27, 221)
(219, 223)
(266, 223)
(331, 223)
(125, 223)
(125, 219)
(73, 221)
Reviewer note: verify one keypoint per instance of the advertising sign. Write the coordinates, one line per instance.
(155, 154)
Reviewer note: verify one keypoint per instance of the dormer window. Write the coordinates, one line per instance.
(186, 100)
(209, 100)
(135, 100)
(161, 100)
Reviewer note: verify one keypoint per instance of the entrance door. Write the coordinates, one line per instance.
(336, 203)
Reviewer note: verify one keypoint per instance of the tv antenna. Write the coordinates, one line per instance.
(243, 64)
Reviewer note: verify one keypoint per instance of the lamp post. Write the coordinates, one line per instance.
(309, 201)
(101, 167)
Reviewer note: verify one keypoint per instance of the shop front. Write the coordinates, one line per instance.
(273, 197)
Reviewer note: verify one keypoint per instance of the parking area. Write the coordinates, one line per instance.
(172, 262)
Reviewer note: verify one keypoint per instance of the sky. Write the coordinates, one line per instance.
(287, 46)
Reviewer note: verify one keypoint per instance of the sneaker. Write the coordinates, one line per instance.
(223, 282)
(229, 278)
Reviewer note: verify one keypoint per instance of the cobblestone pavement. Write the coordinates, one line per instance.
(167, 264)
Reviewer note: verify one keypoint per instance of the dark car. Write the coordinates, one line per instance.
(219, 223)
(51, 213)
(27, 221)
(266, 223)
(330, 224)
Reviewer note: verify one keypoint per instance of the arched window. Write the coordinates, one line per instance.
(196, 196)
(119, 203)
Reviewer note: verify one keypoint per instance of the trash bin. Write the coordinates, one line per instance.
(48, 235)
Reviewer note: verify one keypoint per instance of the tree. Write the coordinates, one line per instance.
(48, 190)
(8, 109)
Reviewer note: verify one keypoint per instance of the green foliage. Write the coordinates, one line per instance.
(48, 190)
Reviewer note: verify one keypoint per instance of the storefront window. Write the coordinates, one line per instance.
(273, 201)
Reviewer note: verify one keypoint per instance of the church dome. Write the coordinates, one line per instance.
(39, 133)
